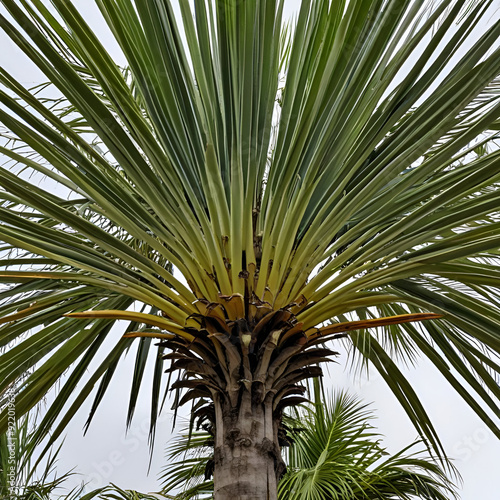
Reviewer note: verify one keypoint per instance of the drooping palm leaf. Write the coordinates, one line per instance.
(345, 175)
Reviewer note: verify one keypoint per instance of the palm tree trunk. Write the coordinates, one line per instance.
(247, 457)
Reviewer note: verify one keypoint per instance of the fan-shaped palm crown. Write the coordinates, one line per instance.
(308, 182)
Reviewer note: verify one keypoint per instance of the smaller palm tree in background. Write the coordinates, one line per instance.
(334, 454)
(339, 456)
(32, 482)
(20, 479)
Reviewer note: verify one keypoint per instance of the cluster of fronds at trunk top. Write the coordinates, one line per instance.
(367, 198)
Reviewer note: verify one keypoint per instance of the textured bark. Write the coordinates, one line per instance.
(247, 455)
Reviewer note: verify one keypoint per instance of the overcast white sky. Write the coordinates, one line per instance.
(108, 454)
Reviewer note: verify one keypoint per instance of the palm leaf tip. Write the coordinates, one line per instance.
(374, 323)
(148, 319)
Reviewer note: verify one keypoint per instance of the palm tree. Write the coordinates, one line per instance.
(20, 479)
(334, 453)
(24, 478)
(339, 456)
(243, 192)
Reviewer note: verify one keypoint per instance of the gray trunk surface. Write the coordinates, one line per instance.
(247, 456)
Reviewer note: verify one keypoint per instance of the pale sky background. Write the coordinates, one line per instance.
(108, 454)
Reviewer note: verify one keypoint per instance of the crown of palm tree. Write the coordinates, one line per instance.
(262, 192)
